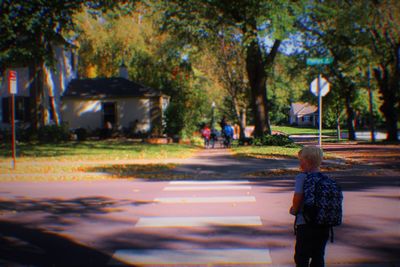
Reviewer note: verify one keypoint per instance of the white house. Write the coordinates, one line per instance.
(92, 103)
(303, 114)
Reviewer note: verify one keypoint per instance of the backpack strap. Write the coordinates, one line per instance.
(318, 175)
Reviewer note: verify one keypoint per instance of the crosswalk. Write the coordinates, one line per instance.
(181, 193)
(229, 199)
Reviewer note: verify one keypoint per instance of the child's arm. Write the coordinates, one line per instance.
(297, 200)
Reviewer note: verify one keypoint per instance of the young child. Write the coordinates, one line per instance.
(205, 133)
(310, 239)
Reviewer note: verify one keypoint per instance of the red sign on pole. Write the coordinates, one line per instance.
(13, 75)
(12, 82)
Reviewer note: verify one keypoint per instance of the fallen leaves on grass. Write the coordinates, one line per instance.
(263, 156)
(274, 172)
(294, 171)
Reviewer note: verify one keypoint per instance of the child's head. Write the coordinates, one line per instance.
(310, 158)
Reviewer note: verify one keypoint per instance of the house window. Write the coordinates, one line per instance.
(22, 109)
(109, 113)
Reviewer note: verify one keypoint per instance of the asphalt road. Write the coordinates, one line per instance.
(218, 216)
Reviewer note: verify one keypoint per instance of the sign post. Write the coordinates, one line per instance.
(319, 110)
(319, 87)
(12, 88)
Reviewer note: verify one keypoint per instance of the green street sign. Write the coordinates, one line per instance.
(319, 61)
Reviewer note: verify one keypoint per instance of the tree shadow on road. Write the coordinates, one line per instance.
(84, 206)
(24, 245)
(349, 180)
(204, 237)
(357, 235)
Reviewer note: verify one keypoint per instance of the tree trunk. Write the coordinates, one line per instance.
(338, 123)
(256, 72)
(371, 107)
(348, 89)
(54, 113)
(350, 118)
(239, 117)
(388, 88)
(49, 87)
(243, 124)
(36, 95)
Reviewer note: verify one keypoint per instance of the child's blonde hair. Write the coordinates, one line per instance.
(312, 154)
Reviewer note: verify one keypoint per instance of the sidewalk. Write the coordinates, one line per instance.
(220, 163)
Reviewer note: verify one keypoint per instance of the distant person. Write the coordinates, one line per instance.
(134, 127)
(206, 134)
(213, 137)
(228, 134)
(316, 204)
(222, 124)
(108, 129)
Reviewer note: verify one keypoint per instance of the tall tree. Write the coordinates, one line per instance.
(153, 59)
(197, 22)
(383, 25)
(332, 30)
(227, 61)
(357, 34)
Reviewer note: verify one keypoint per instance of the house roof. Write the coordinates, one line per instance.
(301, 109)
(108, 87)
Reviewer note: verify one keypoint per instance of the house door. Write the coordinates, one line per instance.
(109, 113)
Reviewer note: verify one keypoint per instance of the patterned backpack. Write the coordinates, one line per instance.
(323, 199)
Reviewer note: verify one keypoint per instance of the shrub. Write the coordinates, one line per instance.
(81, 134)
(27, 134)
(53, 134)
(197, 141)
(273, 140)
(4, 135)
(246, 141)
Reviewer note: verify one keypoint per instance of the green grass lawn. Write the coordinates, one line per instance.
(266, 151)
(66, 161)
(96, 150)
(303, 130)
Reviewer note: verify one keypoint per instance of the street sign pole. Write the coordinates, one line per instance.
(13, 131)
(319, 62)
(319, 110)
(12, 89)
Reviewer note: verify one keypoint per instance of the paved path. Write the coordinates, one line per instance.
(217, 217)
(214, 163)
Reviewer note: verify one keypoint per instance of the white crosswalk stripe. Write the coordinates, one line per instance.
(207, 257)
(199, 221)
(207, 188)
(229, 199)
(230, 182)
